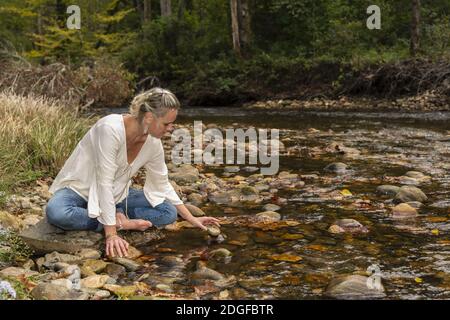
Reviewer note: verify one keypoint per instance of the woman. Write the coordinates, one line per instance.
(91, 192)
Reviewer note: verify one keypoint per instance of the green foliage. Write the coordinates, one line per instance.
(17, 250)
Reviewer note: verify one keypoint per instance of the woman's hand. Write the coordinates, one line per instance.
(202, 222)
(114, 244)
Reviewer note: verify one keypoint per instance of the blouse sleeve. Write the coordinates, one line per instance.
(157, 183)
(106, 147)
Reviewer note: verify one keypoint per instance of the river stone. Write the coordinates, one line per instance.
(417, 175)
(336, 167)
(97, 281)
(185, 174)
(408, 181)
(115, 270)
(195, 199)
(388, 190)
(409, 193)
(271, 207)
(123, 291)
(129, 264)
(250, 169)
(50, 291)
(268, 216)
(66, 283)
(403, 210)
(52, 258)
(415, 204)
(172, 261)
(231, 169)
(101, 294)
(97, 266)
(85, 254)
(194, 210)
(352, 287)
(16, 272)
(350, 225)
(213, 231)
(8, 221)
(205, 273)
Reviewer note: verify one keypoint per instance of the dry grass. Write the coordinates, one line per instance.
(37, 135)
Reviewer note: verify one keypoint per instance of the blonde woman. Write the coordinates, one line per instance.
(92, 190)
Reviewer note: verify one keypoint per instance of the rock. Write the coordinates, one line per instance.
(8, 221)
(16, 272)
(262, 187)
(44, 238)
(195, 211)
(66, 283)
(441, 204)
(134, 253)
(115, 270)
(221, 254)
(353, 287)
(50, 291)
(85, 254)
(101, 294)
(415, 204)
(336, 167)
(417, 175)
(232, 169)
(285, 175)
(172, 261)
(52, 258)
(31, 220)
(130, 265)
(205, 273)
(348, 225)
(250, 169)
(213, 231)
(248, 191)
(408, 181)
(388, 190)
(96, 266)
(224, 197)
(271, 207)
(403, 211)
(335, 229)
(185, 174)
(195, 199)
(122, 291)
(268, 216)
(164, 287)
(339, 148)
(97, 281)
(25, 203)
(86, 272)
(408, 193)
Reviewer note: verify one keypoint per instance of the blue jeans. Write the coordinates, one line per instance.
(68, 211)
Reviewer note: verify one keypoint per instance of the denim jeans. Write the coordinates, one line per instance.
(68, 211)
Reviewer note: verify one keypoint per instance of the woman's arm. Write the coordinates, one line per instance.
(200, 222)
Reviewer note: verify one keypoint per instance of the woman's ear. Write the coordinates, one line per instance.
(149, 117)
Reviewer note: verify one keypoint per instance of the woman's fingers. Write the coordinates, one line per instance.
(122, 245)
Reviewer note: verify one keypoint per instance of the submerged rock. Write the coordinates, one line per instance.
(388, 190)
(353, 287)
(347, 225)
(336, 167)
(268, 216)
(271, 207)
(50, 291)
(409, 193)
(404, 211)
(195, 211)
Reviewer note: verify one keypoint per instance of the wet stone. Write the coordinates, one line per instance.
(268, 216)
(388, 190)
(115, 270)
(336, 167)
(349, 225)
(353, 287)
(403, 211)
(409, 193)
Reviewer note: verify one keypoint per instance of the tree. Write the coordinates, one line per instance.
(166, 8)
(415, 28)
(147, 10)
(240, 26)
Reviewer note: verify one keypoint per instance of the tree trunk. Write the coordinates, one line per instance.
(235, 26)
(166, 8)
(415, 28)
(147, 10)
(181, 8)
(244, 25)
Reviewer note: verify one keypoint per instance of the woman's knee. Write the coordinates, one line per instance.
(54, 213)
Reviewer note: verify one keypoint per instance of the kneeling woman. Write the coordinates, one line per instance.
(92, 190)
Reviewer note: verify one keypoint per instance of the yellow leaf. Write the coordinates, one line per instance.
(437, 219)
(291, 236)
(346, 193)
(317, 247)
(435, 232)
(286, 257)
(418, 280)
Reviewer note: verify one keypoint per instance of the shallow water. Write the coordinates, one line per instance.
(414, 256)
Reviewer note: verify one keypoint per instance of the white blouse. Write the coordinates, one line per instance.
(98, 170)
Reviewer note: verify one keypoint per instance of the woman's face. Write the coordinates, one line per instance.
(158, 127)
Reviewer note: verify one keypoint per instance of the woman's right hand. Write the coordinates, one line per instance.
(115, 244)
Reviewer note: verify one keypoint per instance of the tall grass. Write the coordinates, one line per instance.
(36, 137)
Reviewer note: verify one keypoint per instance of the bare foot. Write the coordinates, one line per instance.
(131, 224)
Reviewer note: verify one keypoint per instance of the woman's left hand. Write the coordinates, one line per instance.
(202, 222)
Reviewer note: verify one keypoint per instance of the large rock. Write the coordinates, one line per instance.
(44, 238)
(388, 190)
(404, 211)
(409, 193)
(185, 174)
(195, 211)
(347, 225)
(353, 287)
(51, 291)
(336, 167)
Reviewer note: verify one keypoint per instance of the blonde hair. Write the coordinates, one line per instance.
(156, 100)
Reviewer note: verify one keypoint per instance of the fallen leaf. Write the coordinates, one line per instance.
(437, 219)
(292, 236)
(418, 280)
(346, 193)
(435, 232)
(286, 257)
(317, 247)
